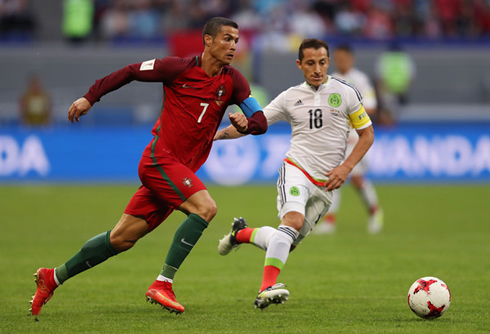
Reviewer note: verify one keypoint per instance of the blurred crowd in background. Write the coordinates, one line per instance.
(155, 19)
(383, 31)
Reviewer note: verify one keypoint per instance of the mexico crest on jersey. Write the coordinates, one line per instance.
(335, 100)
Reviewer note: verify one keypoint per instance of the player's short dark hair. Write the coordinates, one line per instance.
(312, 43)
(344, 47)
(213, 26)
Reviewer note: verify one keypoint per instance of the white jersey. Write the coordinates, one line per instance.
(320, 123)
(361, 81)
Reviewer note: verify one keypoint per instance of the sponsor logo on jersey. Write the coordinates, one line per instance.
(147, 65)
(298, 103)
(187, 86)
(187, 182)
(335, 100)
(334, 112)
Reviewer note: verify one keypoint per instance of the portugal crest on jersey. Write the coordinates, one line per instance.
(220, 92)
(187, 182)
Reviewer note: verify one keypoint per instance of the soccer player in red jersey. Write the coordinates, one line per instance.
(196, 93)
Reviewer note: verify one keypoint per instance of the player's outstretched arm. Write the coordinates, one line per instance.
(78, 108)
(366, 139)
(338, 175)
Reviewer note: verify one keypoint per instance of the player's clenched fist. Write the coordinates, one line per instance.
(78, 108)
(239, 121)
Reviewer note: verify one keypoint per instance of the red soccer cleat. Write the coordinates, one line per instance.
(45, 288)
(161, 293)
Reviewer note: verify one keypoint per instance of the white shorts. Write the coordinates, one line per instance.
(297, 193)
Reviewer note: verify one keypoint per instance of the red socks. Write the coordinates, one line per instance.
(270, 277)
(243, 236)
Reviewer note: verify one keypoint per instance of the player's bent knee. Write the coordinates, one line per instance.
(293, 219)
(127, 232)
(121, 244)
(208, 212)
(201, 204)
(297, 225)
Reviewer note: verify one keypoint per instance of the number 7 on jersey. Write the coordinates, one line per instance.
(205, 107)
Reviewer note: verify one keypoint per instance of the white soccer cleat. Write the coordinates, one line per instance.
(229, 241)
(376, 221)
(275, 294)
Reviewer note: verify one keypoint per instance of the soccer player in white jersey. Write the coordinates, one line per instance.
(322, 110)
(344, 62)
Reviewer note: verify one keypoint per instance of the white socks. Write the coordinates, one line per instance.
(164, 279)
(334, 207)
(263, 237)
(280, 245)
(368, 194)
(56, 278)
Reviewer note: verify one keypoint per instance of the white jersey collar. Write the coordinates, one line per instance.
(310, 87)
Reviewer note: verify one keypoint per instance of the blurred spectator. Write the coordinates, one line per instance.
(378, 24)
(404, 20)
(35, 104)
(144, 21)
(274, 30)
(202, 10)
(395, 71)
(115, 21)
(327, 10)
(174, 17)
(482, 17)
(305, 22)
(431, 27)
(448, 12)
(246, 17)
(16, 17)
(77, 19)
(265, 7)
(349, 21)
(275, 20)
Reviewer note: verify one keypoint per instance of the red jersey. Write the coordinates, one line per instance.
(193, 104)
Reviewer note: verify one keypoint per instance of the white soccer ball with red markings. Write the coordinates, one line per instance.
(429, 297)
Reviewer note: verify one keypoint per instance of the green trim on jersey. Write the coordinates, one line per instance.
(154, 144)
(155, 162)
(197, 61)
(166, 178)
(158, 129)
(308, 84)
(272, 261)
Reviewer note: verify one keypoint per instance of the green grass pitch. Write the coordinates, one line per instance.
(350, 282)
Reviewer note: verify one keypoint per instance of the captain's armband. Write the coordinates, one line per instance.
(250, 106)
(360, 119)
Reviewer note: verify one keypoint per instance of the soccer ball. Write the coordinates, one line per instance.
(429, 297)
